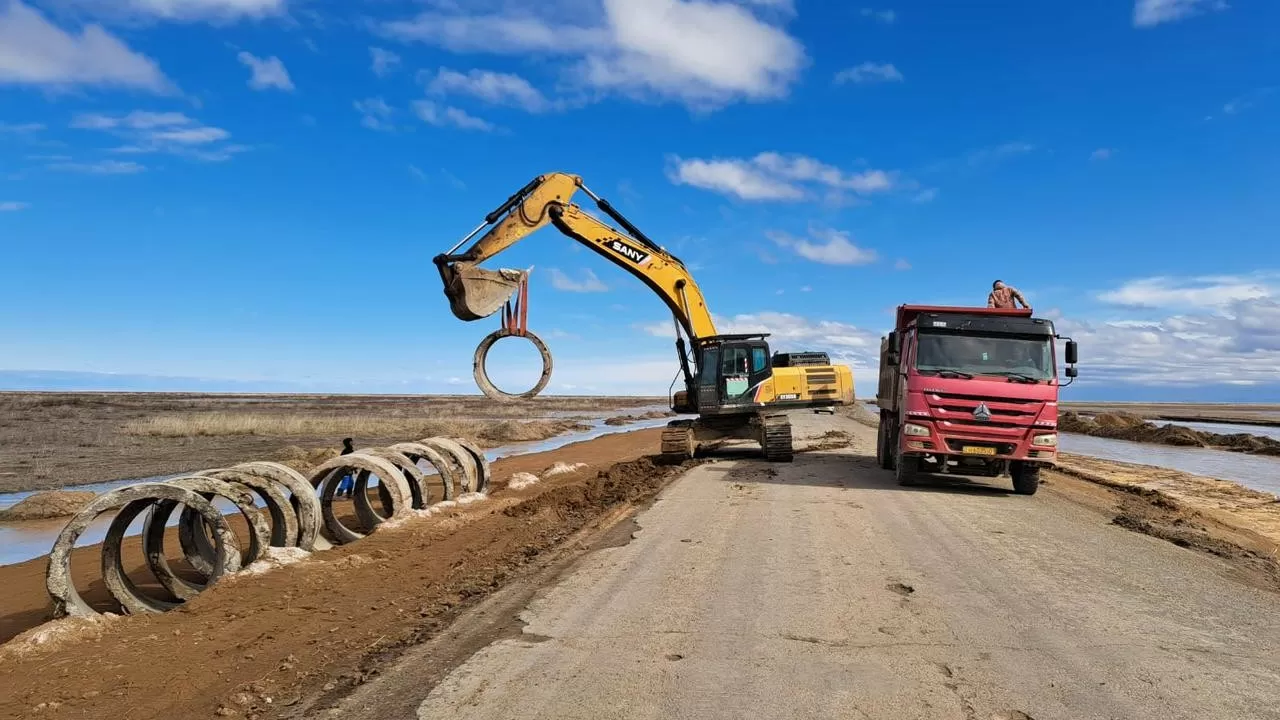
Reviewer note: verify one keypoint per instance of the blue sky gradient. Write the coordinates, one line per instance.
(248, 193)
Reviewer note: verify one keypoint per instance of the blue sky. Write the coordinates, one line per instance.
(246, 194)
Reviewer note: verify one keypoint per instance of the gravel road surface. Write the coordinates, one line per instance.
(820, 589)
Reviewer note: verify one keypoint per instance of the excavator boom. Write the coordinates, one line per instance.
(476, 292)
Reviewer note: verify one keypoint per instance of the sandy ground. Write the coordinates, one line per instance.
(812, 589)
(820, 589)
(1260, 414)
(50, 440)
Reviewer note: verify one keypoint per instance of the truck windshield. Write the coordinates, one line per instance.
(1002, 355)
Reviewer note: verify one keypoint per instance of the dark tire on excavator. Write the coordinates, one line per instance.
(677, 442)
(776, 438)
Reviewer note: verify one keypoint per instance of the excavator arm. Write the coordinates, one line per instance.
(476, 292)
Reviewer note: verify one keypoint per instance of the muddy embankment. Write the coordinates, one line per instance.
(256, 645)
(1125, 426)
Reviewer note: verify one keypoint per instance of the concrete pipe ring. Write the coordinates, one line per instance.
(326, 477)
(62, 592)
(462, 460)
(199, 552)
(302, 497)
(482, 376)
(483, 471)
(418, 451)
(413, 476)
(284, 521)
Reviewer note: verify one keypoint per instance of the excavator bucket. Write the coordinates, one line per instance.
(475, 292)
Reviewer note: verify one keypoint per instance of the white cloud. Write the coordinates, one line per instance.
(21, 128)
(102, 167)
(384, 61)
(885, 16)
(162, 132)
(1101, 154)
(1149, 13)
(181, 10)
(703, 53)
(901, 264)
(826, 246)
(1239, 104)
(33, 51)
(773, 176)
(1192, 293)
(375, 113)
(492, 87)
(588, 283)
(434, 114)
(869, 72)
(13, 206)
(266, 74)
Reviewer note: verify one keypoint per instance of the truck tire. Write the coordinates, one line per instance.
(905, 468)
(885, 442)
(1026, 478)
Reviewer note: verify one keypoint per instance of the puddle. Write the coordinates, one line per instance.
(20, 541)
(1253, 471)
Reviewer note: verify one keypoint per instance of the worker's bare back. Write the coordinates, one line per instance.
(820, 589)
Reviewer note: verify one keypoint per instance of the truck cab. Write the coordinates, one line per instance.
(970, 391)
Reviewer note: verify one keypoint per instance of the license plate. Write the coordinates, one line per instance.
(975, 450)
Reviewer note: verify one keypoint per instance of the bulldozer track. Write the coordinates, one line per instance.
(297, 512)
(678, 442)
(776, 438)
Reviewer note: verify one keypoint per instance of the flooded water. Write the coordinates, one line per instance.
(30, 539)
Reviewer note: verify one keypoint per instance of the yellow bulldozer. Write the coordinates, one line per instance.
(732, 383)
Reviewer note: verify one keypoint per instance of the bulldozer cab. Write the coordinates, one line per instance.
(729, 369)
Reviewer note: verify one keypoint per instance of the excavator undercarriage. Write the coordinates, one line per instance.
(682, 439)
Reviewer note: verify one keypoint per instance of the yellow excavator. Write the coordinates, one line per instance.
(735, 387)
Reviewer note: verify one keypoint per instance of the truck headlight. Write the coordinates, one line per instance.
(1045, 440)
(915, 430)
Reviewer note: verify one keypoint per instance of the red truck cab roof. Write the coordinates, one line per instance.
(908, 313)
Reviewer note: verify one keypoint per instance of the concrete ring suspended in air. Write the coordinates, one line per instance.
(482, 376)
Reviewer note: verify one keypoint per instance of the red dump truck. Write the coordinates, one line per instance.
(970, 391)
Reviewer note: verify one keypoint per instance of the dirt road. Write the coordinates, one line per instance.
(821, 589)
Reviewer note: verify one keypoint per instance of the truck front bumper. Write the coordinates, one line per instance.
(1032, 446)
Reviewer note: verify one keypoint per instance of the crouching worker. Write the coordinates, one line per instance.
(1004, 296)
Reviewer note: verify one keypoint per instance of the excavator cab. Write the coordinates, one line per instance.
(729, 368)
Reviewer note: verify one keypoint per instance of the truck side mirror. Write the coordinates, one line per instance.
(1072, 353)
(1072, 372)
(892, 358)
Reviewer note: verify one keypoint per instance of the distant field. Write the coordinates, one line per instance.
(57, 439)
(1251, 414)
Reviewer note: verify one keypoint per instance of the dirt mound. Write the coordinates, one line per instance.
(304, 460)
(628, 419)
(51, 504)
(1126, 426)
(261, 645)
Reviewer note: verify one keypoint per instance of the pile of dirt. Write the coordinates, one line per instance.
(51, 504)
(621, 420)
(260, 646)
(525, 431)
(1126, 426)
(304, 460)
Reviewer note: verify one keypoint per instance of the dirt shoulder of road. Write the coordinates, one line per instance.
(54, 440)
(257, 644)
(1251, 414)
(1215, 516)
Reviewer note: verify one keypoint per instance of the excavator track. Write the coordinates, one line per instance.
(776, 438)
(677, 441)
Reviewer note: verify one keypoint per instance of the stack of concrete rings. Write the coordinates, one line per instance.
(481, 373)
(298, 513)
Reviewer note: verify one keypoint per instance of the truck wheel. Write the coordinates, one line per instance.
(887, 436)
(905, 469)
(880, 448)
(1026, 478)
